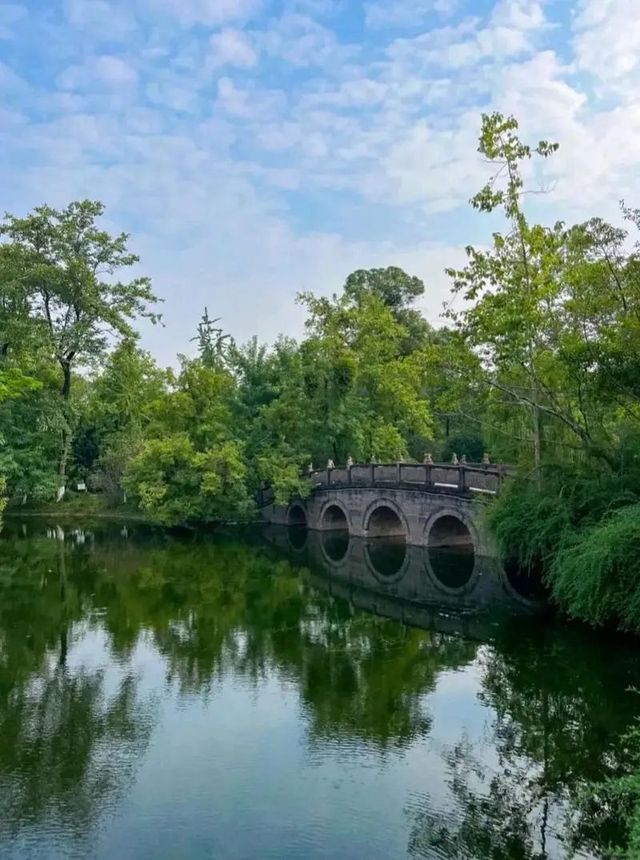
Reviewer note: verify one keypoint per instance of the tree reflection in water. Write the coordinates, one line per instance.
(560, 708)
(68, 740)
(72, 735)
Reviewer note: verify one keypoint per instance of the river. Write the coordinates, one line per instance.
(288, 695)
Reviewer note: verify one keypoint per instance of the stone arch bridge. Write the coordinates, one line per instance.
(430, 505)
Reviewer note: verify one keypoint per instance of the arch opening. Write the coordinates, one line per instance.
(451, 552)
(387, 541)
(334, 519)
(297, 521)
(297, 516)
(384, 522)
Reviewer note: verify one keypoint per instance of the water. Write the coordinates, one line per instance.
(292, 696)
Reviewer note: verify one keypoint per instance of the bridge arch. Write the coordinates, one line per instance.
(384, 518)
(334, 516)
(387, 533)
(451, 542)
(297, 515)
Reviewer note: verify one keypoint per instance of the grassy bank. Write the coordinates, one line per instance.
(582, 535)
(90, 506)
(79, 506)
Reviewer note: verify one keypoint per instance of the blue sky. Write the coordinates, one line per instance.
(255, 148)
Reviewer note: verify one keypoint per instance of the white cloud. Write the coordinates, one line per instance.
(256, 105)
(510, 31)
(433, 166)
(114, 71)
(316, 157)
(213, 12)
(10, 82)
(302, 41)
(401, 14)
(105, 71)
(607, 41)
(100, 19)
(519, 14)
(231, 47)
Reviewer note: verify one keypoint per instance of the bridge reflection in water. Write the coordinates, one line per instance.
(445, 585)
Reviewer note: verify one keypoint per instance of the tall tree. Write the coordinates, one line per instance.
(67, 267)
(511, 285)
(369, 366)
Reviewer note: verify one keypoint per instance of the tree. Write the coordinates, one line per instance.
(176, 484)
(367, 368)
(511, 285)
(553, 314)
(213, 343)
(190, 466)
(122, 404)
(63, 259)
(14, 384)
(397, 291)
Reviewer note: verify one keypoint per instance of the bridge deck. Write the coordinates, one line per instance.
(459, 480)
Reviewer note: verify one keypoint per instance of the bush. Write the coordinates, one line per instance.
(176, 485)
(530, 525)
(595, 575)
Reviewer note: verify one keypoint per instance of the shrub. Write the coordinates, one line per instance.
(530, 525)
(595, 575)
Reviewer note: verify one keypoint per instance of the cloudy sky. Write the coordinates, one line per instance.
(255, 148)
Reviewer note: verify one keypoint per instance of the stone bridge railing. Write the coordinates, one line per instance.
(461, 479)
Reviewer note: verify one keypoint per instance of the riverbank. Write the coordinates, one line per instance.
(581, 536)
(79, 507)
(90, 507)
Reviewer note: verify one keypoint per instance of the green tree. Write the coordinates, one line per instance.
(124, 401)
(213, 343)
(511, 287)
(66, 278)
(190, 465)
(177, 484)
(368, 374)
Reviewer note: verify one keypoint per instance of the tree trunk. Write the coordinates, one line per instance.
(537, 445)
(66, 379)
(66, 429)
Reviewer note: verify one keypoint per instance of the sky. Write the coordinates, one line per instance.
(257, 148)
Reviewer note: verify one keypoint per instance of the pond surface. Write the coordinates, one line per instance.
(291, 696)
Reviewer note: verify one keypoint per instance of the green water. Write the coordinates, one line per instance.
(292, 696)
